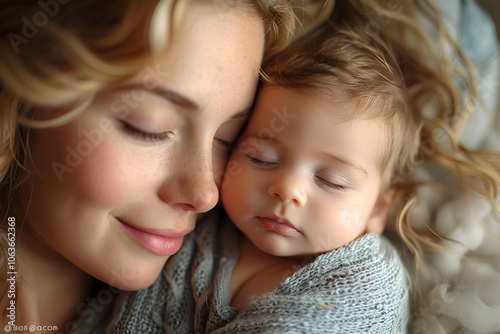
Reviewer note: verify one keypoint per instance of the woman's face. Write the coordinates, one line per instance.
(119, 187)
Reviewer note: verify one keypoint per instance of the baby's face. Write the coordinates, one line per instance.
(304, 180)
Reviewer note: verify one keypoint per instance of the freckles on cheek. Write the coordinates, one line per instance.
(108, 176)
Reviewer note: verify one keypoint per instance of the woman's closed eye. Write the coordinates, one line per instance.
(145, 135)
(223, 144)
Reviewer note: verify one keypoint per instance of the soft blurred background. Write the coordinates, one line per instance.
(493, 8)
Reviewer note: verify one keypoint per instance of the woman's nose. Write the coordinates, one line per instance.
(191, 186)
(289, 188)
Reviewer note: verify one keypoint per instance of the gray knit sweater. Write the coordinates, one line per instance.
(359, 288)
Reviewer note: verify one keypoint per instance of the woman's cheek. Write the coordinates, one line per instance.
(113, 174)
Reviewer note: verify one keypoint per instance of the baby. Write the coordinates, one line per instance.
(312, 180)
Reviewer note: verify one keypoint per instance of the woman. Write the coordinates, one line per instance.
(115, 117)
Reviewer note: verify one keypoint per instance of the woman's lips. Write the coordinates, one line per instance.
(157, 241)
(279, 225)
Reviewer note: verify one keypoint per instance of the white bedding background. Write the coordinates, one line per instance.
(467, 297)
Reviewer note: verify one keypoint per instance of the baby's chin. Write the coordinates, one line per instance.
(292, 252)
(275, 249)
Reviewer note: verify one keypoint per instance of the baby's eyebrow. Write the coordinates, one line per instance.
(263, 138)
(346, 161)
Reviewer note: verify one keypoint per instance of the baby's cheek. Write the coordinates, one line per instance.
(351, 219)
(352, 222)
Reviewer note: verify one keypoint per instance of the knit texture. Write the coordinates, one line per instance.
(359, 288)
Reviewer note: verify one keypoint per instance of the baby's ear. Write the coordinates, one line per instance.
(378, 218)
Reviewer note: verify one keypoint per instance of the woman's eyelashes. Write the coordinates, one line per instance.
(148, 136)
(145, 135)
(223, 144)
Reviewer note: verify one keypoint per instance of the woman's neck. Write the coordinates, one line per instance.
(50, 289)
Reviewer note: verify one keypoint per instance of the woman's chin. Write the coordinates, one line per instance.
(132, 279)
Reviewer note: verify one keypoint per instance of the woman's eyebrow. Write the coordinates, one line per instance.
(181, 100)
(189, 104)
(170, 95)
(176, 98)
